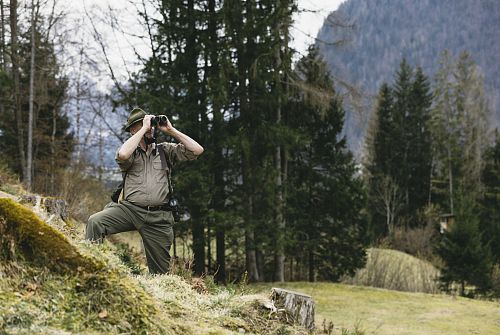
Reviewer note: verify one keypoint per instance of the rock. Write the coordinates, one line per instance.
(7, 195)
(55, 206)
(298, 305)
(24, 235)
(28, 199)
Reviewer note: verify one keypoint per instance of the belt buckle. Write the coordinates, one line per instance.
(150, 208)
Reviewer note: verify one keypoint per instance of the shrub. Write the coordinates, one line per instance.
(394, 270)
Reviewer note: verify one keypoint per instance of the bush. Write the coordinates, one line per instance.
(394, 270)
(9, 181)
(418, 241)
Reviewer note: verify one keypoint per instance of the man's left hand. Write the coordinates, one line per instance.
(167, 128)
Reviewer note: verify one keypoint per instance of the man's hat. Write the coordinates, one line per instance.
(135, 116)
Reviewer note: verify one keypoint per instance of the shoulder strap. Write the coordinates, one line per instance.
(166, 164)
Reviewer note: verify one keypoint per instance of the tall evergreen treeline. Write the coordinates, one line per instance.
(276, 192)
(430, 147)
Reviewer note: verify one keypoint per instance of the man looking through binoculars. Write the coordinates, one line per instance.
(144, 204)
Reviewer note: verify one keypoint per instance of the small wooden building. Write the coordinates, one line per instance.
(446, 222)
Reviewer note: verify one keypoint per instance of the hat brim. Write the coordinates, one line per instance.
(127, 127)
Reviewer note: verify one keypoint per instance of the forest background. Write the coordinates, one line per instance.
(277, 195)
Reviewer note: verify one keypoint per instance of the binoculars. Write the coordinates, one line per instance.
(159, 120)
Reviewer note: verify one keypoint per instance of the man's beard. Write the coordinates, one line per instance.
(148, 140)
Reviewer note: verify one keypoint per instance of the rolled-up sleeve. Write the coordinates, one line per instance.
(124, 165)
(177, 152)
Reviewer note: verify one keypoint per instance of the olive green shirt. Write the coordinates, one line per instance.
(146, 183)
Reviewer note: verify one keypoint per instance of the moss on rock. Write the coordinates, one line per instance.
(23, 234)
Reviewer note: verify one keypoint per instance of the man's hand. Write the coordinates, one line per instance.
(146, 122)
(167, 128)
(188, 142)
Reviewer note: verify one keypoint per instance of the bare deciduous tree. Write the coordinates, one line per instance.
(389, 200)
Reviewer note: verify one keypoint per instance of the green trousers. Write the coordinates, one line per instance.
(155, 228)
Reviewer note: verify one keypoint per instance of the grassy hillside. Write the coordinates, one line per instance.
(386, 312)
(52, 282)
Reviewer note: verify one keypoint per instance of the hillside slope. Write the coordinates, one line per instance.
(385, 31)
(51, 282)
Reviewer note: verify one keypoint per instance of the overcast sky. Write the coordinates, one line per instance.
(307, 23)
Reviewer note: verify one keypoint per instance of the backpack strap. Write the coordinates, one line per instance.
(166, 164)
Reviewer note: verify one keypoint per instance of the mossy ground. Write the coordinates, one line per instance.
(53, 283)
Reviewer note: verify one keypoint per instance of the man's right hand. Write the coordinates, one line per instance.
(146, 122)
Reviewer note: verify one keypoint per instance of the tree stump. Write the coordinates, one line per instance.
(300, 306)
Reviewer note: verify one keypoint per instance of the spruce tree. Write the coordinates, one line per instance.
(325, 196)
(402, 142)
(399, 162)
(490, 204)
(419, 143)
(467, 261)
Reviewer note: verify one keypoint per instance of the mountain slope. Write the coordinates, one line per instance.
(385, 31)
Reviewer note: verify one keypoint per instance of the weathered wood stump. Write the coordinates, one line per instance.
(300, 306)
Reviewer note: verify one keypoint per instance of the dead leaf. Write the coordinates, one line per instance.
(103, 314)
(31, 287)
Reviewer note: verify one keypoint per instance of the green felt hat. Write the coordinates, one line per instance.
(135, 116)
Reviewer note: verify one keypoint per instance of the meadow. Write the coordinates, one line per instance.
(387, 312)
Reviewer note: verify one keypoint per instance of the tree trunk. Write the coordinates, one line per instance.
(450, 178)
(2, 47)
(192, 99)
(279, 270)
(78, 109)
(16, 89)
(299, 306)
(198, 246)
(312, 277)
(2, 36)
(53, 151)
(209, 247)
(250, 251)
(29, 159)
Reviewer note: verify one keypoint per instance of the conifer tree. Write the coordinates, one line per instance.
(466, 259)
(401, 142)
(381, 161)
(419, 139)
(489, 202)
(400, 151)
(324, 194)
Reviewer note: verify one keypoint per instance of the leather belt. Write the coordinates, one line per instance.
(155, 208)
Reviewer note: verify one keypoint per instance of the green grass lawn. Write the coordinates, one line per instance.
(385, 312)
